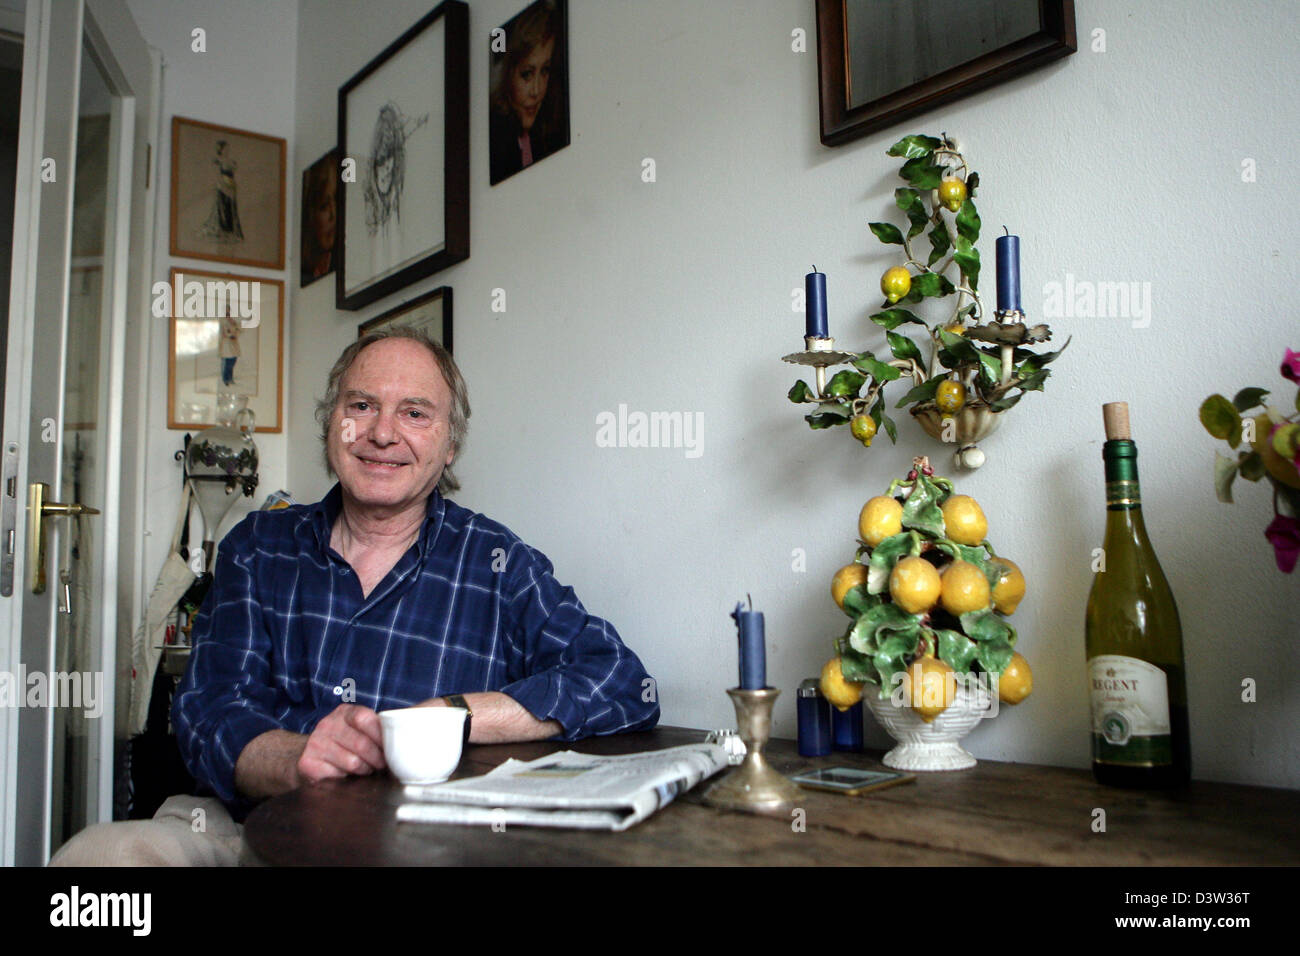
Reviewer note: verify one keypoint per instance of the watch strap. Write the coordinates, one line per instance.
(458, 700)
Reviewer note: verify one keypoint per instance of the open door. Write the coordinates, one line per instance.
(77, 308)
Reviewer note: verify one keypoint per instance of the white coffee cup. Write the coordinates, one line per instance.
(423, 744)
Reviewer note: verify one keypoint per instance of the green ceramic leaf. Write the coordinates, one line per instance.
(968, 218)
(985, 626)
(887, 232)
(846, 384)
(878, 413)
(1007, 401)
(909, 200)
(870, 365)
(995, 655)
(939, 243)
(891, 319)
(921, 393)
(921, 511)
(858, 602)
(855, 666)
(902, 346)
(967, 258)
(922, 173)
(914, 146)
(800, 392)
(956, 650)
(932, 284)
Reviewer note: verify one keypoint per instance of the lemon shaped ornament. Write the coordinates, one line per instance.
(881, 517)
(964, 520)
(1016, 682)
(930, 688)
(964, 588)
(847, 578)
(896, 283)
(1010, 589)
(841, 693)
(914, 585)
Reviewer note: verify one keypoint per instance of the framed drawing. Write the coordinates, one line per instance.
(431, 313)
(227, 334)
(319, 227)
(882, 61)
(528, 95)
(227, 194)
(404, 121)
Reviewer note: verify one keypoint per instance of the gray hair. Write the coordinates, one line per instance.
(450, 373)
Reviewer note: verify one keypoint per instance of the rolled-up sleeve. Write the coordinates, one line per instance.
(227, 696)
(579, 671)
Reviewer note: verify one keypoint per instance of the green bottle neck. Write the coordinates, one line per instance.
(1122, 490)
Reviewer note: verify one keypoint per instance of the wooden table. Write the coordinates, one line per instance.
(992, 814)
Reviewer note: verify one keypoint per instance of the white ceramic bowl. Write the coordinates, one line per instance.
(934, 745)
(423, 744)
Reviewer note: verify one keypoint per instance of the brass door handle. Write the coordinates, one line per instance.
(38, 509)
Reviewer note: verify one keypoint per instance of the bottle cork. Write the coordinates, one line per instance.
(1115, 415)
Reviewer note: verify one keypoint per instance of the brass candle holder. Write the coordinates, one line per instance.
(755, 785)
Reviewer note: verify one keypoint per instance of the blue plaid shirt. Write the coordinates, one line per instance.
(285, 636)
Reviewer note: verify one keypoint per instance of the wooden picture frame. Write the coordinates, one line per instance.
(846, 116)
(404, 121)
(195, 366)
(228, 194)
(430, 312)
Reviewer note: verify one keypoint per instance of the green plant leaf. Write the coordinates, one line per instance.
(922, 173)
(967, 258)
(800, 392)
(902, 346)
(921, 393)
(1251, 465)
(968, 219)
(891, 319)
(1221, 419)
(972, 183)
(1249, 398)
(932, 284)
(939, 243)
(909, 200)
(846, 384)
(1225, 470)
(870, 365)
(956, 650)
(1005, 402)
(914, 146)
(887, 232)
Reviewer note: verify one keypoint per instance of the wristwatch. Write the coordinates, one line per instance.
(457, 700)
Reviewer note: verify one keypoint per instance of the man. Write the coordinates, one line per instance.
(384, 594)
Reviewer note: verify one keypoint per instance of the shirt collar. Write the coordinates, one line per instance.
(326, 511)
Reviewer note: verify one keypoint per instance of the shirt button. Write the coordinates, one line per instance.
(338, 691)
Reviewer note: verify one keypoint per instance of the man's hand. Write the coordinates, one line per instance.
(348, 741)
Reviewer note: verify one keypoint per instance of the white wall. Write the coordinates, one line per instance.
(675, 296)
(245, 79)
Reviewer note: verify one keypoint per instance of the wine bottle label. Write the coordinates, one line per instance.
(1130, 712)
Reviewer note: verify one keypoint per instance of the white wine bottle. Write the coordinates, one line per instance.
(1136, 679)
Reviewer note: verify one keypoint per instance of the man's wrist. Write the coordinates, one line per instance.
(458, 700)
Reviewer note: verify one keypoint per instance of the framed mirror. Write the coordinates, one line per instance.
(882, 61)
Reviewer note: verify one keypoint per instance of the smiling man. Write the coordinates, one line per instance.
(384, 594)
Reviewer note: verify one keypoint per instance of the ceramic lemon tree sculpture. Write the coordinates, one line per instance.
(928, 599)
(978, 366)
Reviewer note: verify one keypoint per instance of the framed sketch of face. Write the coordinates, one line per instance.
(430, 312)
(404, 128)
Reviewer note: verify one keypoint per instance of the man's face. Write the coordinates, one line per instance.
(395, 407)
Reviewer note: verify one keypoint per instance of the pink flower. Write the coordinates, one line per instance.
(1284, 535)
(1291, 366)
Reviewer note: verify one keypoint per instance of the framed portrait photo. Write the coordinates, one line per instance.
(319, 227)
(430, 313)
(227, 334)
(404, 129)
(227, 201)
(528, 94)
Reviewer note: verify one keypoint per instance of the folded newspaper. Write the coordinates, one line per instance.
(568, 789)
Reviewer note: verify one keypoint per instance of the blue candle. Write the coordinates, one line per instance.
(1008, 251)
(753, 654)
(814, 285)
